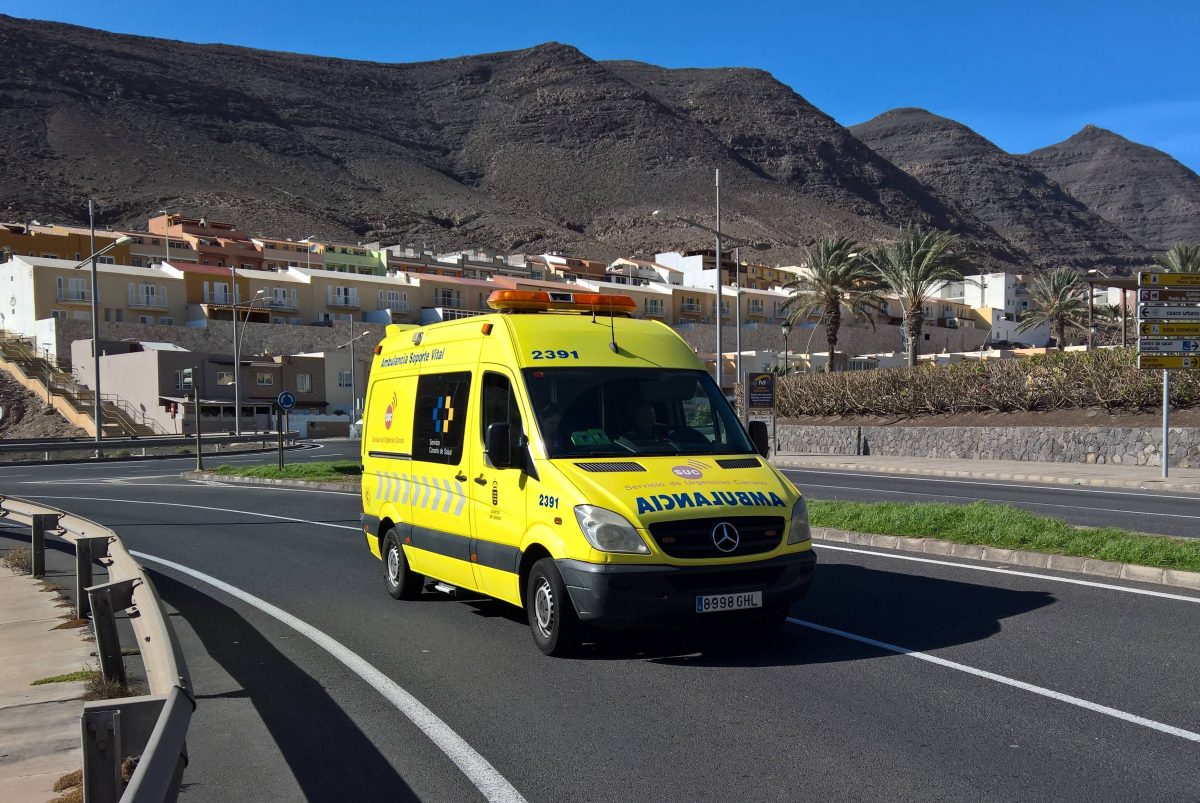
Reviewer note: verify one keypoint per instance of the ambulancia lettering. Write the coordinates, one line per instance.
(679, 501)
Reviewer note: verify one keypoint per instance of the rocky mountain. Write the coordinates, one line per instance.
(540, 149)
(1145, 192)
(1006, 192)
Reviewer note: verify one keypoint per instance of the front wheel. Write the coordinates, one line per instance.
(552, 619)
(402, 582)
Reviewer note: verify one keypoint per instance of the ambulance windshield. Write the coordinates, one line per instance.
(611, 412)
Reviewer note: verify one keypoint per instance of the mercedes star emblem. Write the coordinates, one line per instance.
(725, 537)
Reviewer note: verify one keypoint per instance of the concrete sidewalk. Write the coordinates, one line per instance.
(1183, 480)
(39, 725)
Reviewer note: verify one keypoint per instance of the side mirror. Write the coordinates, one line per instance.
(758, 436)
(500, 446)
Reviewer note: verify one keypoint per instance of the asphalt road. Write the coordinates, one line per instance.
(1141, 511)
(898, 678)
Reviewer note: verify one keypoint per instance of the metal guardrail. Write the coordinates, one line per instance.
(151, 728)
(145, 442)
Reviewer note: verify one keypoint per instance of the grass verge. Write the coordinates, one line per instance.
(990, 524)
(315, 471)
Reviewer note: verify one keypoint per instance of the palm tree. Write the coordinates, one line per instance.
(1058, 300)
(1180, 259)
(914, 268)
(837, 279)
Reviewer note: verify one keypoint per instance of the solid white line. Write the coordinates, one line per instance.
(1013, 502)
(973, 567)
(199, 507)
(1007, 681)
(478, 770)
(1049, 486)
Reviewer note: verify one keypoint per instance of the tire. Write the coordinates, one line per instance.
(553, 622)
(401, 581)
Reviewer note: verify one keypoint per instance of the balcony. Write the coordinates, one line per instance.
(342, 301)
(282, 304)
(757, 309)
(70, 295)
(690, 307)
(655, 311)
(220, 297)
(451, 302)
(394, 305)
(139, 300)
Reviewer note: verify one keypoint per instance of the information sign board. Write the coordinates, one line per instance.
(1151, 329)
(1183, 295)
(1150, 346)
(1153, 279)
(1169, 312)
(1167, 361)
(761, 391)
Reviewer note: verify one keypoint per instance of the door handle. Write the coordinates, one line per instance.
(460, 477)
(480, 480)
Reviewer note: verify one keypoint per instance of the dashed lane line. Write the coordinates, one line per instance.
(478, 770)
(1007, 681)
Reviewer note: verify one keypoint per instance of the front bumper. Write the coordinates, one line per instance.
(626, 596)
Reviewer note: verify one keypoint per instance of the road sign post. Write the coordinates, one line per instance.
(1168, 335)
(283, 403)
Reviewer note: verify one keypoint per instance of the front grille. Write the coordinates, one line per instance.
(730, 579)
(739, 462)
(611, 467)
(692, 538)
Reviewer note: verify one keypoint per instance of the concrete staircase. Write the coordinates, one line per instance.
(74, 401)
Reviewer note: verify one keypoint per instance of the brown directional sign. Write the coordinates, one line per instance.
(1173, 296)
(1159, 361)
(1158, 329)
(1152, 279)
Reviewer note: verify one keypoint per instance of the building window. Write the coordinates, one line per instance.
(145, 319)
(137, 262)
(106, 260)
(60, 314)
(303, 383)
(224, 377)
(166, 320)
(265, 378)
(179, 383)
(343, 379)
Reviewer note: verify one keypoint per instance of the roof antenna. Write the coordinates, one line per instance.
(612, 332)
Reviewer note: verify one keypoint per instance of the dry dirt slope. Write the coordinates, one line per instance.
(27, 416)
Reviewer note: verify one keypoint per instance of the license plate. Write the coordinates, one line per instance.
(728, 602)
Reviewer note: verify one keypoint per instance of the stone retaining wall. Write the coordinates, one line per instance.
(1104, 445)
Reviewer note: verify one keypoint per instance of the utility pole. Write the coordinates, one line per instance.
(97, 410)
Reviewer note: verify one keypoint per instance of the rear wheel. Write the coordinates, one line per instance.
(402, 582)
(552, 619)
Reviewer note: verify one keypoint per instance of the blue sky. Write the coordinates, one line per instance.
(1023, 74)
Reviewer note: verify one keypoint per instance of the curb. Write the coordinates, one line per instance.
(1051, 479)
(317, 485)
(928, 546)
(1016, 557)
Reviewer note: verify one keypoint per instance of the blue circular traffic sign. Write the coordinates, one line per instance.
(286, 400)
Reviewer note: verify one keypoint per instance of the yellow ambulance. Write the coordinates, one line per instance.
(579, 464)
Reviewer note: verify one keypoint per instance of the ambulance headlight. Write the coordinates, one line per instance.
(608, 531)
(798, 531)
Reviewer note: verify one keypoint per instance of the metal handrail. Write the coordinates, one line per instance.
(159, 767)
(146, 441)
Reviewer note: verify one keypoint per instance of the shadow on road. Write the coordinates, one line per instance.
(917, 612)
(327, 753)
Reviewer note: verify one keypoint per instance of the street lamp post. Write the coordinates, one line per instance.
(91, 260)
(237, 363)
(167, 234)
(786, 328)
(308, 252)
(353, 375)
(659, 214)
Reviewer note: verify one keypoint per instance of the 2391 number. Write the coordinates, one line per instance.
(555, 354)
(547, 501)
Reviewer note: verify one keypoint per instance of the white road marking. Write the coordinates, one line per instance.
(1014, 503)
(201, 507)
(1007, 681)
(994, 570)
(1050, 486)
(478, 770)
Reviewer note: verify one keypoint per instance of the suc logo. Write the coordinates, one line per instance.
(687, 472)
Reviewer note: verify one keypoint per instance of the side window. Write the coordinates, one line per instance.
(499, 404)
(439, 416)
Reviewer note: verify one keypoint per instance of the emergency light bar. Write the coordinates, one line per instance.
(539, 301)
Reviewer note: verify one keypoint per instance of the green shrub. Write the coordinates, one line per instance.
(1108, 379)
